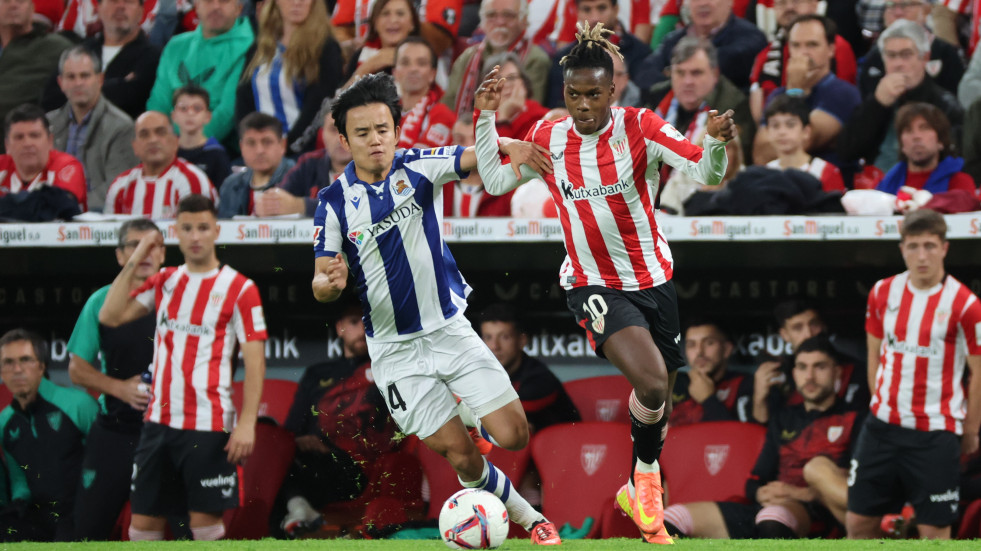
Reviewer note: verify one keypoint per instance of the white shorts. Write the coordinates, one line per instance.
(419, 377)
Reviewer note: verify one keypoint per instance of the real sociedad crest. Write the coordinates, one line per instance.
(715, 458)
(401, 189)
(592, 457)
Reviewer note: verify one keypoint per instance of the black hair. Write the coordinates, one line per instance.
(592, 51)
(192, 90)
(818, 343)
(788, 105)
(790, 308)
(373, 88)
(260, 121)
(25, 112)
(830, 30)
(700, 320)
(503, 313)
(40, 347)
(196, 203)
(415, 39)
(136, 224)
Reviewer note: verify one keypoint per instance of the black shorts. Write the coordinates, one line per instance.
(176, 471)
(602, 312)
(893, 465)
(740, 519)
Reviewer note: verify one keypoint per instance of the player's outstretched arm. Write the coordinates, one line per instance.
(528, 161)
(329, 278)
(242, 440)
(119, 307)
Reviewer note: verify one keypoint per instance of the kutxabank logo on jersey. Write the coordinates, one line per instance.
(180, 327)
(587, 193)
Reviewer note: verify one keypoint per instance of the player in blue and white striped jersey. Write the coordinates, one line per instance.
(384, 215)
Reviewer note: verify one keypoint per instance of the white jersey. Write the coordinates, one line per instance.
(391, 234)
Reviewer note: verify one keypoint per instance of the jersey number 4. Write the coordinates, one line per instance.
(395, 400)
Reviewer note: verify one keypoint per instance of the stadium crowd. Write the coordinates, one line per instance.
(194, 111)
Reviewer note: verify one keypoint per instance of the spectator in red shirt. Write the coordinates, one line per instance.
(31, 161)
(927, 165)
(425, 121)
(789, 122)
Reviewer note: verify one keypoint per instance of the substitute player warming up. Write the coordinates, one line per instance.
(188, 454)
(384, 214)
(923, 326)
(604, 182)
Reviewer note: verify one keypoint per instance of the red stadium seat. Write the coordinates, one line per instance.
(260, 479)
(601, 398)
(5, 396)
(970, 527)
(443, 481)
(582, 466)
(710, 461)
(277, 397)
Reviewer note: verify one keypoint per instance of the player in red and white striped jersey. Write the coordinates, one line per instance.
(604, 182)
(203, 311)
(31, 161)
(923, 326)
(155, 186)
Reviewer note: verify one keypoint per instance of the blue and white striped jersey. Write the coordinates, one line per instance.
(391, 234)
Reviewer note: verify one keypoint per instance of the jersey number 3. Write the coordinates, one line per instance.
(395, 400)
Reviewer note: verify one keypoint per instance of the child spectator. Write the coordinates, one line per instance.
(191, 114)
(789, 122)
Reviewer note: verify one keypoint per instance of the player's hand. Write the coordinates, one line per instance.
(890, 88)
(701, 387)
(129, 391)
(526, 153)
(721, 126)
(241, 442)
(337, 273)
(276, 201)
(311, 443)
(766, 376)
(969, 443)
(488, 96)
(150, 243)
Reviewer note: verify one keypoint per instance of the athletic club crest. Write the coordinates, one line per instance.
(835, 433)
(619, 147)
(715, 458)
(215, 299)
(592, 457)
(401, 189)
(941, 317)
(599, 324)
(606, 410)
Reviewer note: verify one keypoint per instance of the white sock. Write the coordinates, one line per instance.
(209, 533)
(497, 483)
(299, 505)
(647, 467)
(145, 535)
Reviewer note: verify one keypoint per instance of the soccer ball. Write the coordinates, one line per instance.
(473, 519)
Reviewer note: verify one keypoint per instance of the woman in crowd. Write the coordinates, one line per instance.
(294, 64)
(391, 22)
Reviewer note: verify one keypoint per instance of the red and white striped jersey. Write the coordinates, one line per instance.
(605, 185)
(926, 338)
(62, 170)
(199, 317)
(133, 193)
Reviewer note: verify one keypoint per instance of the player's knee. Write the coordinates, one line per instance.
(515, 437)
(816, 470)
(652, 392)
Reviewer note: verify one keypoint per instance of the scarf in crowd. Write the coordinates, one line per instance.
(472, 76)
(667, 109)
(937, 182)
(369, 49)
(772, 70)
(413, 122)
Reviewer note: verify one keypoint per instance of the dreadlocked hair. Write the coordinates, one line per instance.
(593, 50)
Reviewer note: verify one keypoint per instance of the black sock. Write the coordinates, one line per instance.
(773, 530)
(673, 530)
(647, 439)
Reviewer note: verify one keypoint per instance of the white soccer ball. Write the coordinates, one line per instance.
(473, 519)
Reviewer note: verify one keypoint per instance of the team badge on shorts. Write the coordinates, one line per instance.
(599, 324)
